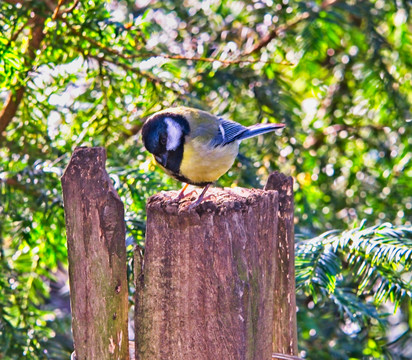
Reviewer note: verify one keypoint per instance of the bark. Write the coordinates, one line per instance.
(205, 289)
(97, 258)
(285, 328)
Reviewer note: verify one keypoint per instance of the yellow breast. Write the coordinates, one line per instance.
(204, 164)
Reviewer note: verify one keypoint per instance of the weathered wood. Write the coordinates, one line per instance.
(285, 328)
(97, 258)
(206, 287)
(139, 286)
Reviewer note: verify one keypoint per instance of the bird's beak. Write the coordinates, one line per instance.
(161, 159)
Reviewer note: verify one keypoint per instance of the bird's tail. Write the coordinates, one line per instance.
(259, 129)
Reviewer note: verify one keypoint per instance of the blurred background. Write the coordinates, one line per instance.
(337, 73)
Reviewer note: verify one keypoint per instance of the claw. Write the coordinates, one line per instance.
(181, 194)
(200, 198)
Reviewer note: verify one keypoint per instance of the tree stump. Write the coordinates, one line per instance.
(205, 288)
(97, 258)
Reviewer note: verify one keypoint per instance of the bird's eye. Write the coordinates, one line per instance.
(163, 140)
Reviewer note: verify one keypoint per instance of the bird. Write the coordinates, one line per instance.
(194, 146)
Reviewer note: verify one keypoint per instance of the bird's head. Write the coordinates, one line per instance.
(164, 133)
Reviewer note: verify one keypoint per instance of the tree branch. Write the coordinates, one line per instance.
(13, 101)
(164, 56)
(69, 9)
(10, 108)
(146, 55)
(282, 28)
(12, 2)
(56, 11)
(13, 183)
(37, 35)
(132, 69)
(275, 33)
(18, 32)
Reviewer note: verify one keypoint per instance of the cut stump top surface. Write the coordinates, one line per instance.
(217, 200)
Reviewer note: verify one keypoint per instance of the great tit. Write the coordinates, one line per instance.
(194, 146)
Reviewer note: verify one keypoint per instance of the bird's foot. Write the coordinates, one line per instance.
(200, 198)
(179, 196)
(182, 194)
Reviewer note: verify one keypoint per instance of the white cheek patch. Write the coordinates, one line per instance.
(174, 134)
(222, 131)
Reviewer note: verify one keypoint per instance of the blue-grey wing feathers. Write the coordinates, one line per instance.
(259, 129)
(230, 131)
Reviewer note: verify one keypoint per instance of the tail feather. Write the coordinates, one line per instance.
(259, 129)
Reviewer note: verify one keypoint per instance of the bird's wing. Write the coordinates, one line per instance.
(228, 131)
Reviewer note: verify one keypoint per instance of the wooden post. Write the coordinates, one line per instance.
(285, 339)
(97, 258)
(205, 288)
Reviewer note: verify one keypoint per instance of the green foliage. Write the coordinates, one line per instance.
(379, 259)
(338, 73)
(343, 278)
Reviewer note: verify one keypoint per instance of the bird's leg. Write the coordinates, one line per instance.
(181, 194)
(200, 198)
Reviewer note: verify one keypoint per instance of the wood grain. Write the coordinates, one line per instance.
(285, 328)
(206, 286)
(97, 258)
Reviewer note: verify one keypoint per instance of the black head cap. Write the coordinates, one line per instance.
(154, 135)
(155, 131)
(164, 136)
